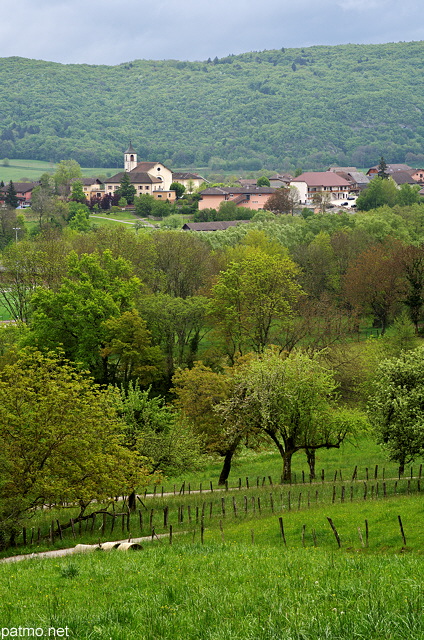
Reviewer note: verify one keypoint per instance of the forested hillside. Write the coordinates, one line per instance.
(275, 109)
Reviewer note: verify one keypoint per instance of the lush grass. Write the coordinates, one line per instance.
(243, 582)
(31, 170)
(218, 591)
(362, 452)
(238, 511)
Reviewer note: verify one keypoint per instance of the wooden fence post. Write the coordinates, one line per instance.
(280, 520)
(401, 530)
(336, 535)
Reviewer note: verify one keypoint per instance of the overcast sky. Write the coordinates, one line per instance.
(110, 32)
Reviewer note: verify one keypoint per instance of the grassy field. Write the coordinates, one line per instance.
(229, 574)
(31, 170)
(362, 452)
(235, 585)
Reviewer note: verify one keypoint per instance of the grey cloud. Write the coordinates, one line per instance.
(97, 32)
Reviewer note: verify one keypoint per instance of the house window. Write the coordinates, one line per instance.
(147, 188)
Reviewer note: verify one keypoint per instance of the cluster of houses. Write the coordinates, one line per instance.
(339, 185)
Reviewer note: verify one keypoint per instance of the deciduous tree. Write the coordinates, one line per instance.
(290, 399)
(251, 298)
(396, 406)
(60, 440)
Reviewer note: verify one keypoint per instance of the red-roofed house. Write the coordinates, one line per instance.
(312, 182)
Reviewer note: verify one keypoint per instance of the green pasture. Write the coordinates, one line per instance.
(361, 452)
(219, 590)
(229, 572)
(242, 507)
(31, 170)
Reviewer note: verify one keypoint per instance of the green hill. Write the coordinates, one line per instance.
(275, 109)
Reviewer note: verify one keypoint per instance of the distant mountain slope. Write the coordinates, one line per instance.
(311, 107)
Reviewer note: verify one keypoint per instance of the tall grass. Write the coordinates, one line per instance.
(218, 592)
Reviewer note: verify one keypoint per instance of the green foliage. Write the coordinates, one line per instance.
(268, 116)
(156, 431)
(11, 198)
(67, 172)
(292, 401)
(60, 439)
(126, 190)
(77, 192)
(251, 298)
(178, 188)
(379, 192)
(396, 408)
(263, 181)
(98, 287)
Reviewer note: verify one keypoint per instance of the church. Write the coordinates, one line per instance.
(152, 178)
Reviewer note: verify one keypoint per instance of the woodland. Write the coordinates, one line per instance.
(176, 347)
(275, 110)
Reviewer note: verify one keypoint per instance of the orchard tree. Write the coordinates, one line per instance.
(198, 392)
(291, 400)
(396, 406)
(60, 438)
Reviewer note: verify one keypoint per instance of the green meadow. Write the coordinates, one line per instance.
(31, 170)
(259, 560)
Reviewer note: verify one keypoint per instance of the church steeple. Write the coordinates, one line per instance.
(130, 159)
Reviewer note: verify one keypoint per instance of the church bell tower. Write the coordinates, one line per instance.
(130, 159)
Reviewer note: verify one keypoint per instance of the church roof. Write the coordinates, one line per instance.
(130, 149)
(136, 177)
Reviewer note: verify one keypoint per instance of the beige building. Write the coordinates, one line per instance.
(190, 181)
(147, 177)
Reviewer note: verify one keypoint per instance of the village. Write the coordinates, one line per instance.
(333, 189)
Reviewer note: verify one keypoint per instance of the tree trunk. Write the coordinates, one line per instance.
(287, 459)
(310, 455)
(228, 457)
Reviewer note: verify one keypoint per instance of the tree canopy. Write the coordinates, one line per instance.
(60, 439)
(396, 407)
